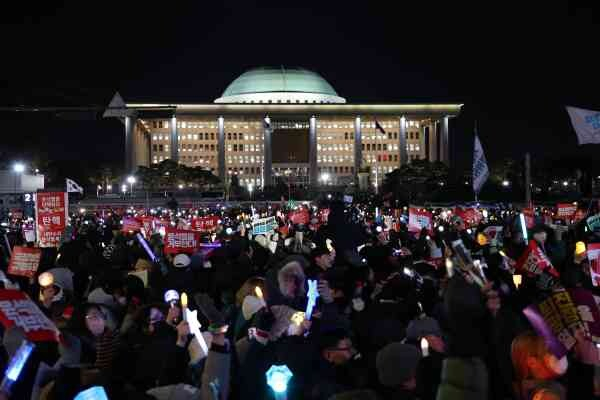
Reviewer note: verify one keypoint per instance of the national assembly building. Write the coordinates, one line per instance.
(283, 123)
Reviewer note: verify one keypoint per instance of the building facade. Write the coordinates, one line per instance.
(276, 123)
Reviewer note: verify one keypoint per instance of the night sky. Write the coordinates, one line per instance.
(514, 66)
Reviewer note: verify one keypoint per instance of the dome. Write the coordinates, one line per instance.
(280, 85)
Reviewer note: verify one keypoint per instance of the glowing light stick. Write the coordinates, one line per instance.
(259, 292)
(278, 377)
(579, 248)
(297, 318)
(93, 393)
(424, 347)
(191, 317)
(517, 279)
(16, 364)
(312, 295)
(46, 279)
(146, 247)
(523, 226)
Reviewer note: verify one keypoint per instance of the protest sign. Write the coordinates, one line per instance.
(529, 215)
(299, 217)
(24, 261)
(205, 224)
(181, 241)
(556, 319)
(264, 225)
(588, 312)
(593, 223)
(535, 264)
(494, 233)
(470, 216)
(324, 215)
(418, 219)
(565, 211)
(148, 226)
(52, 214)
(16, 309)
(131, 224)
(593, 255)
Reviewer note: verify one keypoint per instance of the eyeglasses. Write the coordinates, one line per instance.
(94, 317)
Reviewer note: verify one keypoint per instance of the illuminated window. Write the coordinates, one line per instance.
(417, 147)
(183, 125)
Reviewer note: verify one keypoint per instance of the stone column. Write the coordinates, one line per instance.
(268, 152)
(402, 145)
(445, 150)
(357, 148)
(130, 121)
(174, 142)
(221, 148)
(433, 145)
(312, 152)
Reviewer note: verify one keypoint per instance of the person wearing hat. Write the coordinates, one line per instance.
(396, 366)
(321, 260)
(181, 277)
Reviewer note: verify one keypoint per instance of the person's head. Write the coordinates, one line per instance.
(458, 223)
(95, 320)
(336, 347)
(291, 280)
(323, 258)
(539, 234)
(532, 360)
(397, 366)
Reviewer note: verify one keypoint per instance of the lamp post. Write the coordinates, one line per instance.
(124, 190)
(131, 180)
(250, 189)
(18, 168)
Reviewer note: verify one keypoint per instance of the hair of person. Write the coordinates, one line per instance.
(525, 345)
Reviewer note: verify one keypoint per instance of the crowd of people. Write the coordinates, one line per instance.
(398, 314)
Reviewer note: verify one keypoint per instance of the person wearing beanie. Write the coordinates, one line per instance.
(396, 367)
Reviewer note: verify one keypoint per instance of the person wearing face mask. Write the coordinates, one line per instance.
(536, 369)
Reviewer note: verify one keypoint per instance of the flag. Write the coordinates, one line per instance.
(480, 168)
(73, 187)
(379, 127)
(535, 264)
(586, 124)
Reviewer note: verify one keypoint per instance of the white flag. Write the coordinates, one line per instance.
(480, 168)
(73, 187)
(586, 124)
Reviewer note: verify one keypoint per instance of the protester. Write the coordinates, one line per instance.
(366, 303)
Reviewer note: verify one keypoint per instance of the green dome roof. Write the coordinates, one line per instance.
(279, 80)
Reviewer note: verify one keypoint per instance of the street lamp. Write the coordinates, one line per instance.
(18, 168)
(565, 183)
(250, 189)
(505, 183)
(131, 181)
(108, 188)
(124, 189)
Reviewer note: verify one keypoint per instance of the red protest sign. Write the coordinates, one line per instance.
(131, 224)
(593, 255)
(181, 241)
(205, 224)
(18, 309)
(148, 225)
(24, 261)
(324, 215)
(418, 219)
(529, 215)
(565, 210)
(470, 216)
(535, 264)
(299, 217)
(51, 210)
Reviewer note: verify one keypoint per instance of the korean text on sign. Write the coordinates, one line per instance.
(181, 241)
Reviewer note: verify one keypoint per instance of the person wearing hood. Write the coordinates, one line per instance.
(321, 261)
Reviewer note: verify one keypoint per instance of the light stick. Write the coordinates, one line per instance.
(16, 364)
(93, 393)
(579, 248)
(278, 377)
(184, 303)
(424, 347)
(523, 226)
(146, 247)
(259, 292)
(46, 279)
(517, 279)
(312, 295)
(191, 317)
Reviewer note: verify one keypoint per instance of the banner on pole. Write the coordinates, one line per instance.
(17, 309)
(181, 241)
(52, 214)
(24, 261)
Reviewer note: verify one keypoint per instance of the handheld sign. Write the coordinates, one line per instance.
(16, 365)
(312, 295)
(24, 261)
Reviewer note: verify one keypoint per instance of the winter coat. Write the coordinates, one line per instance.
(463, 379)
